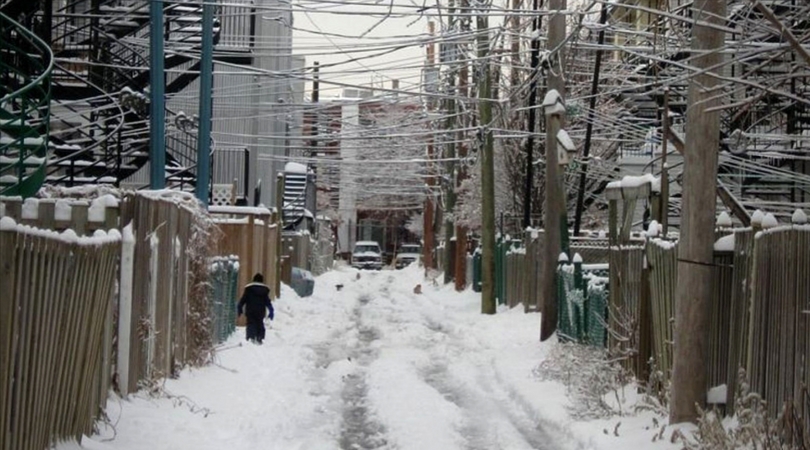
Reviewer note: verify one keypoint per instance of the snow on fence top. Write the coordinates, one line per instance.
(636, 181)
(240, 210)
(82, 215)
(725, 244)
(724, 220)
(99, 237)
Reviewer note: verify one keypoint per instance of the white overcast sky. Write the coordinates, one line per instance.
(334, 52)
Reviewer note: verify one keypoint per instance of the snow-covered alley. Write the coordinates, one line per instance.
(370, 366)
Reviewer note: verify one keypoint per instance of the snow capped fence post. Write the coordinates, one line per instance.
(125, 309)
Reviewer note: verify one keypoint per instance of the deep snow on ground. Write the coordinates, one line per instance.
(372, 366)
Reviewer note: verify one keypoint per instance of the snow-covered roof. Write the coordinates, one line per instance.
(294, 167)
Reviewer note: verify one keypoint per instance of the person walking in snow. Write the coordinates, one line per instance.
(255, 302)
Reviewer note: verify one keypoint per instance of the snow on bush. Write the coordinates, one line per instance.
(590, 378)
(750, 428)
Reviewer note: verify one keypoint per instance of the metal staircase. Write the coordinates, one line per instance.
(298, 196)
(26, 63)
(758, 157)
(99, 104)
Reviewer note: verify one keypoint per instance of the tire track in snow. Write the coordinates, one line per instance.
(490, 403)
(359, 428)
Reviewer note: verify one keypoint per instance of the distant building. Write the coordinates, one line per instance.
(339, 134)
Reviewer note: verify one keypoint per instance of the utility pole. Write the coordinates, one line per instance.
(535, 63)
(487, 166)
(157, 106)
(314, 99)
(463, 93)
(695, 288)
(553, 205)
(206, 104)
(427, 214)
(450, 150)
(583, 176)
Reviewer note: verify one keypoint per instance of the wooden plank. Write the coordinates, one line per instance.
(59, 283)
(79, 217)
(13, 208)
(613, 222)
(47, 214)
(86, 271)
(23, 347)
(8, 306)
(45, 318)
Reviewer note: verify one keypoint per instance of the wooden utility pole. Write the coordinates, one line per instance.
(316, 88)
(487, 166)
(463, 93)
(695, 249)
(553, 204)
(450, 151)
(427, 214)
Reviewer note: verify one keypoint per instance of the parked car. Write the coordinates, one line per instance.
(367, 255)
(407, 254)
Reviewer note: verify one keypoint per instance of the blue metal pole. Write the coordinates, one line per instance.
(206, 80)
(157, 111)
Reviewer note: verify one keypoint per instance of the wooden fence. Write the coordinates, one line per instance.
(66, 339)
(250, 234)
(158, 337)
(759, 313)
(522, 266)
(55, 333)
(778, 357)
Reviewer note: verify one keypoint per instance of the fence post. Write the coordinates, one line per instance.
(562, 299)
(8, 306)
(579, 284)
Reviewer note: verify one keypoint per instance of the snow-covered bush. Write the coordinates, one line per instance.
(750, 428)
(590, 377)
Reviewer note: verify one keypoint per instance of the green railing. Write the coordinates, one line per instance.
(582, 297)
(26, 63)
(224, 278)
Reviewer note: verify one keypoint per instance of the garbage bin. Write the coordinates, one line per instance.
(302, 282)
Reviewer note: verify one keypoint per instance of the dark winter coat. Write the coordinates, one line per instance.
(255, 301)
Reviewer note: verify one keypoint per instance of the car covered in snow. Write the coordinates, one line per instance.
(367, 255)
(407, 254)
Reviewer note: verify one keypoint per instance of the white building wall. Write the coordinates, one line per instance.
(274, 58)
(347, 203)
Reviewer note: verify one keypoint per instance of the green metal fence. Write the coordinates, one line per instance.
(582, 297)
(224, 279)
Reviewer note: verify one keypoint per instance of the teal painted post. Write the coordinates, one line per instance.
(477, 271)
(579, 285)
(206, 100)
(157, 111)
